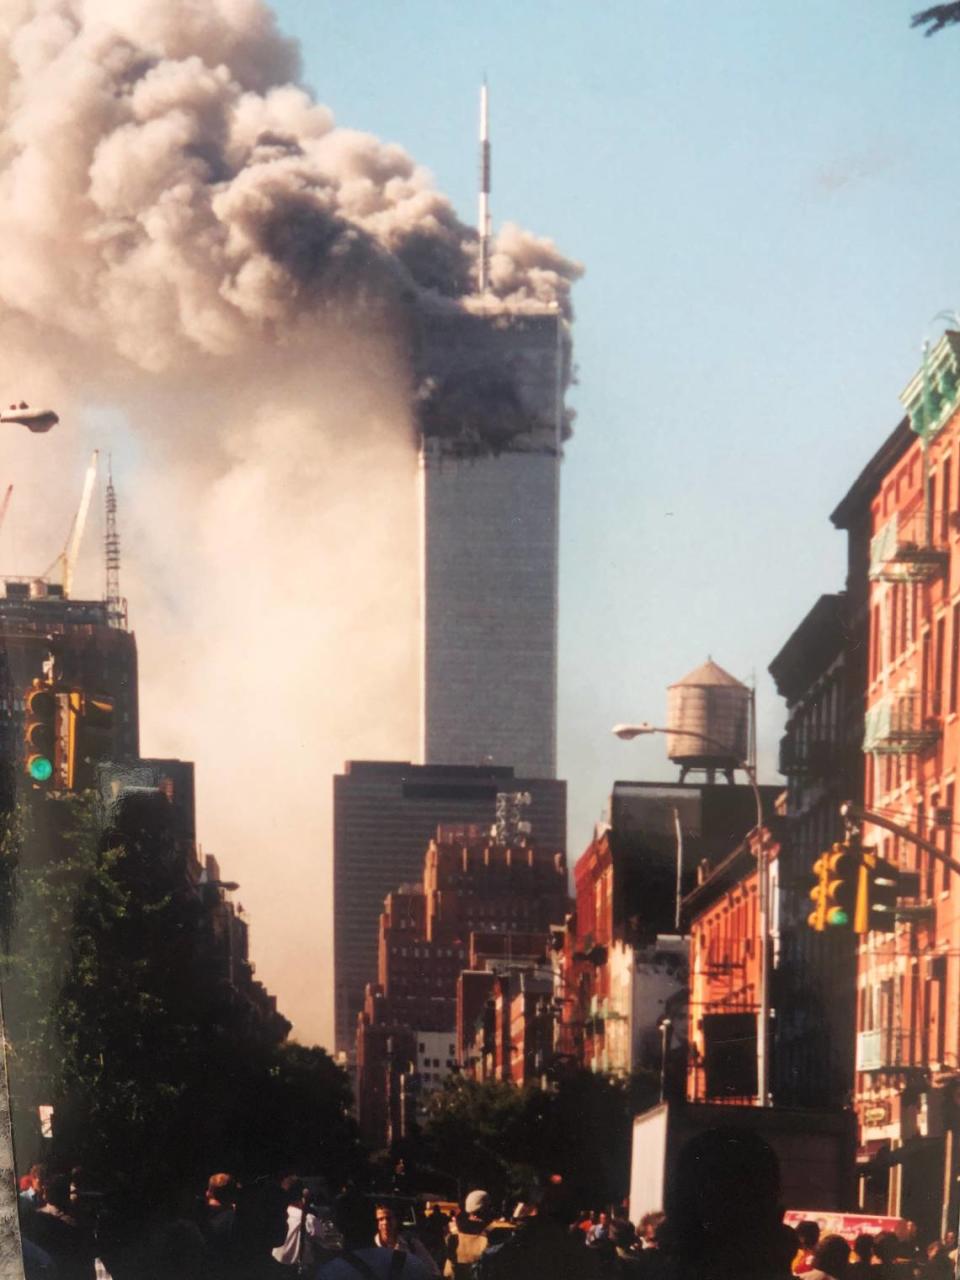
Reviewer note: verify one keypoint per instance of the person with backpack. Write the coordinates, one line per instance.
(393, 1256)
(471, 1239)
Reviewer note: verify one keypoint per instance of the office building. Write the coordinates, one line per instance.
(492, 421)
(474, 892)
(385, 815)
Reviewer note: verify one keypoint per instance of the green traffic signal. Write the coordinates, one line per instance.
(839, 889)
(40, 718)
(40, 768)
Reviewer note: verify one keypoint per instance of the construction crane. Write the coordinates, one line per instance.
(5, 504)
(67, 559)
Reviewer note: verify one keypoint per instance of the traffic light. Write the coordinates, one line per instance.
(817, 918)
(39, 732)
(839, 892)
(92, 738)
(883, 889)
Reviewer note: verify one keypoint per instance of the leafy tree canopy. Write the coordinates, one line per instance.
(937, 17)
(510, 1140)
(119, 1014)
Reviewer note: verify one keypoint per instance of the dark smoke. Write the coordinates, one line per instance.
(188, 237)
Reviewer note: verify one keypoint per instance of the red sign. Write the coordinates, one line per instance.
(850, 1225)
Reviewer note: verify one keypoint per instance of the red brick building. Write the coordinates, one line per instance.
(481, 906)
(621, 971)
(724, 999)
(908, 1008)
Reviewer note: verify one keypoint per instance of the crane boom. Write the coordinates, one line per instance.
(6, 503)
(72, 549)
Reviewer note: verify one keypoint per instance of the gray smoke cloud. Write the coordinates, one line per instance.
(168, 188)
(187, 237)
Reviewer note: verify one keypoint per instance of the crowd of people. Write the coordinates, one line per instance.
(880, 1256)
(723, 1220)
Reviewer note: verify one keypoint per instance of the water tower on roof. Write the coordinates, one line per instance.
(708, 712)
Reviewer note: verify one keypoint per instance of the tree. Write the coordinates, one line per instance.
(510, 1140)
(119, 1016)
(937, 17)
(478, 1133)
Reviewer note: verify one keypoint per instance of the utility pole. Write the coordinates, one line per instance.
(11, 1250)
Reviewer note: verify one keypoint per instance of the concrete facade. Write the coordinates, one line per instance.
(648, 984)
(490, 614)
(492, 422)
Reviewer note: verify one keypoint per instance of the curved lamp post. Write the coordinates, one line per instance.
(630, 731)
(36, 420)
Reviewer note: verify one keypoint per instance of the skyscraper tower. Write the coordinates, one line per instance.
(492, 425)
(492, 416)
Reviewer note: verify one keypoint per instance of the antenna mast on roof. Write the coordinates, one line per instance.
(116, 605)
(483, 214)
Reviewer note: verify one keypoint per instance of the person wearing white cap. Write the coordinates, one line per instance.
(470, 1239)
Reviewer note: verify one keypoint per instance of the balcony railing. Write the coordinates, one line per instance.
(884, 1049)
(898, 725)
(902, 551)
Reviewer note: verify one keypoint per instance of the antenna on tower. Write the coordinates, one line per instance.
(116, 605)
(483, 213)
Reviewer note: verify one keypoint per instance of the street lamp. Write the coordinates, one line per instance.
(630, 731)
(36, 420)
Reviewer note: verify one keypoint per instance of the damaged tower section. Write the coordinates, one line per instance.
(492, 422)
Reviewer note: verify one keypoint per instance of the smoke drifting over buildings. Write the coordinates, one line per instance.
(187, 236)
(169, 189)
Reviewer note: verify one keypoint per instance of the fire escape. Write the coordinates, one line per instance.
(909, 550)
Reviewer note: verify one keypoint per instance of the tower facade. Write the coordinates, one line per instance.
(492, 420)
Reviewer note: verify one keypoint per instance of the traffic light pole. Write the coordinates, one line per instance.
(11, 1250)
(850, 810)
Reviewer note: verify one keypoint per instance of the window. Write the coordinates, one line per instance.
(954, 655)
(945, 503)
(904, 590)
(875, 642)
(938, 698)
(947, 839)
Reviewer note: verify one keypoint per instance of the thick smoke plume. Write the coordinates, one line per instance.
(187, 237)
(168, 189)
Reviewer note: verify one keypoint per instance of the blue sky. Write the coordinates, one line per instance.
(765, 201)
